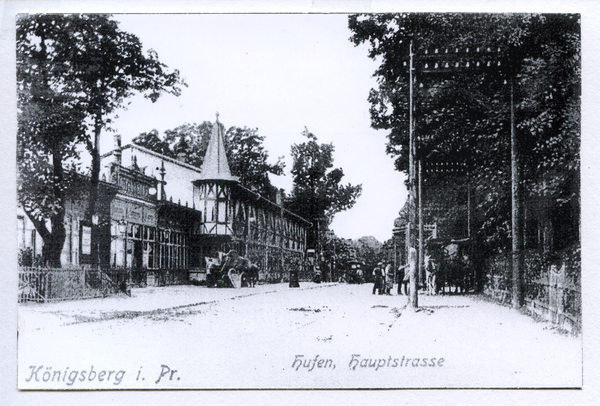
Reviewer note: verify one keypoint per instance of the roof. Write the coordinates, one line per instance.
(155, 154)
(215, 165)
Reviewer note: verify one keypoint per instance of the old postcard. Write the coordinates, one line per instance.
(388, 200)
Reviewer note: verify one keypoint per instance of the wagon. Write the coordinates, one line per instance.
(233, 271)
(450, 267)
(354, 273)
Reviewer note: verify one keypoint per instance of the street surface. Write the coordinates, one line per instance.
(317, 336)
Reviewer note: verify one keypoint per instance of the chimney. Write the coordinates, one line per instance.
(118, 149)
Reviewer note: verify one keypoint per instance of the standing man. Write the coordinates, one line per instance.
(430, 273)
(402, 277)
(378, 274)
(389, 278)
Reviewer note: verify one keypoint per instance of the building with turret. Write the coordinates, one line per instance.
(168, 217)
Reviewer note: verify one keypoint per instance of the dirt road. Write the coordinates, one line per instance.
(318, 336)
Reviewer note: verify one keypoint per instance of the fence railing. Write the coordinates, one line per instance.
(552, 292)
(39, 284)
(52, 284)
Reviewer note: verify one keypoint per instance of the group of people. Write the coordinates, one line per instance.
(385, 277)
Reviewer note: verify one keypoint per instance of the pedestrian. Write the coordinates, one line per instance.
(378, 275)
(430, 273)
(389, 278)
(294, 279)
(403, 280)
(317, 277)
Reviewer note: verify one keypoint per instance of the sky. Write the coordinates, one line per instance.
(279, 73)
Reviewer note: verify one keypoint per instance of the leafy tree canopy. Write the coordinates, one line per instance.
(246, 153)
(463, 116)
(73, 72)
(317, 194)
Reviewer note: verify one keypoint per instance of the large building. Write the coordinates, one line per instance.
(161, 219)
(169, 215)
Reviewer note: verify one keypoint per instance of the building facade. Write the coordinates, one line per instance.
(161, 219)
(169, 217)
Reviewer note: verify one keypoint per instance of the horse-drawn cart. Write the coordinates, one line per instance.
(449, 269)
(233, 271)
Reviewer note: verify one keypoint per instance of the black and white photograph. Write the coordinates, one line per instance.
(298, 200)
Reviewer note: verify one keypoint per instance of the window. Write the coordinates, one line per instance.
(171, 250)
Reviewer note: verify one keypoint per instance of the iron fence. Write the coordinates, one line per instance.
(39, 284)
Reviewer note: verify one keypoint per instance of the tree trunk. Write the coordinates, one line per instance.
(94, 185)
(54, 239)
(517, 211)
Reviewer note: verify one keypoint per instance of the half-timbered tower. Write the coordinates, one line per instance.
(234, 217)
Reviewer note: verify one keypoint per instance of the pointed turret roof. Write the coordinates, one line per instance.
(215, 165)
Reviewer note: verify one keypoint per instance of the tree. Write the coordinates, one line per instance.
(73, 72)
(49, 129)
(317, 194)
(187, 142)
(153, 142)
(463, 116)
(244, 147)
(248, 159)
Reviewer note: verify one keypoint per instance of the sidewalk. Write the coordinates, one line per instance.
(490, 341)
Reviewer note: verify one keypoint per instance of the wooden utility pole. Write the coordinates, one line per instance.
(517, 235)
(414, 297)
(421, 266)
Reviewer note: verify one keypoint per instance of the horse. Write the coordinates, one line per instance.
(241, 267)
